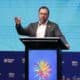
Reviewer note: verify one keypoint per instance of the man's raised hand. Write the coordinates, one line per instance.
(17, 20)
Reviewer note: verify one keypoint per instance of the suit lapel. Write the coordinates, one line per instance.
(35, 28)
(47, 29)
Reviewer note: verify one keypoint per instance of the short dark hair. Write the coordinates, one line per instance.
(44, 7)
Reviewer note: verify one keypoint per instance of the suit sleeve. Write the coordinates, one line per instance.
(58, 33)
(23, 31)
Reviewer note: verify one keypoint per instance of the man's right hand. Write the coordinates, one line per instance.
(17, 20)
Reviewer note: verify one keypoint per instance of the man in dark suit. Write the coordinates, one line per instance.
(42, 28)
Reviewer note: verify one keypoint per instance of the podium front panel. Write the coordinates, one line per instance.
(42, 64)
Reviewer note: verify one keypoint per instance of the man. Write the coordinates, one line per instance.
(42, 28)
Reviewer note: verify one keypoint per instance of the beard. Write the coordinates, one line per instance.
(42, 21)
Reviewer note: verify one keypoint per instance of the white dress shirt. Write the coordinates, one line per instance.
(40, 33)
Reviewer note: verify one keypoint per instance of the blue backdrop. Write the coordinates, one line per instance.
(64, 12)
(12, 64)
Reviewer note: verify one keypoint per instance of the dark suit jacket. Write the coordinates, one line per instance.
(52, 30)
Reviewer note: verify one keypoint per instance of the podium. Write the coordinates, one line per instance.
(43, 58)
